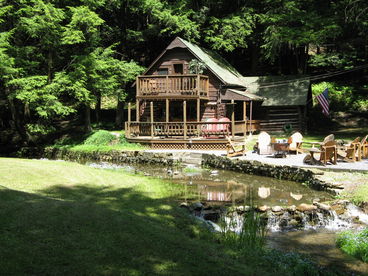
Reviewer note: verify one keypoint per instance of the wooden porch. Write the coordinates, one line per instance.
(172, 86)
(188, 135)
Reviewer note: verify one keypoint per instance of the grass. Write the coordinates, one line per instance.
(101, 141)
(62, 218)
(354, 243)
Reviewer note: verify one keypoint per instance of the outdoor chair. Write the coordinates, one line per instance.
(264, 143)
(350, 152)
(327, 152)
(295, 142)
(210, 130)
(224, 129)
(364, 147)
(235, 148)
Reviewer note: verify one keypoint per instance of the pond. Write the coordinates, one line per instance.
(226, 187)
(220, 187)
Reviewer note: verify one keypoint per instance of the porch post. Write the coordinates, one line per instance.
(245, 117)
(233, 118)
(167, 110)
(185, 118)
(137, 110)
(151, 113)
(127, 129)
(198, 116)
(251, 116)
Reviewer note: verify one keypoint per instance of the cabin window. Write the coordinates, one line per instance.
(178, 68)
(162, 71)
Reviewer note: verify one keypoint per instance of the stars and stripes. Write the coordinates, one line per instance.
(323, 101)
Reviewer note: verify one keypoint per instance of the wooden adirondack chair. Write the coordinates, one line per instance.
(328, 152)
(264, 143)
(295, 142)
(350, 152)
(235, 148)
(364, 147)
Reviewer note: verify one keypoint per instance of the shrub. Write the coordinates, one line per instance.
(355, 244)
(100, 138)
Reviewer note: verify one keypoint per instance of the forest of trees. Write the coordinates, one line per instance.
(58, 57)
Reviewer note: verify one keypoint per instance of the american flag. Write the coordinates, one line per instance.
(323, 101)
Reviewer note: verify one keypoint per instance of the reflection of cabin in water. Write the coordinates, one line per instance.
(178, 108)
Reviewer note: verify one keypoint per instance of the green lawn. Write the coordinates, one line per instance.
(62, 218)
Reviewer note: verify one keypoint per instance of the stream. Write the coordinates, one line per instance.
(225, 188)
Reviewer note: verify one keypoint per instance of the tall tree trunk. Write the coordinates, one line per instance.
(98, 109)
(18, 124)
(119, 118)
(49, 67)
(87, 119)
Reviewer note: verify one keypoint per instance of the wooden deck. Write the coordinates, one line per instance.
(172, 86)
(187, 135)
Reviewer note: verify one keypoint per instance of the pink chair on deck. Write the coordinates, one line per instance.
(210, 129)
(224, 129)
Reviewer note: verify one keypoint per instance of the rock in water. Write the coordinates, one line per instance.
(263, 208)
(306, 207)
(276, 209)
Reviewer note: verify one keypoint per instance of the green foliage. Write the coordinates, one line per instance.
(196, 67)
(39, 129)
(354, 243)
(252, 235)
(342, 97)
(100, 138)
(40, 96)
(230, 33)
(83, 26)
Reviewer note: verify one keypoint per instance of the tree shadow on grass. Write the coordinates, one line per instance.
(87, 230)
(321, 248)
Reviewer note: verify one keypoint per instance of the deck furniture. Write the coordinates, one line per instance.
(364, 147)
(295, 142)
(328, 152)
(235, 148)
(350, 152)
(280, 148)
(264, 143)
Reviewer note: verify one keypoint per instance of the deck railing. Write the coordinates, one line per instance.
(172, 85)
(189, 129)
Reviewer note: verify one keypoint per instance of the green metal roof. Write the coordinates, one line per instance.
(279, 90)
(216, 64)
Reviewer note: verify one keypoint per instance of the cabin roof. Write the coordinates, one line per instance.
(227, 74)
(239, 95)
(216, 64)
(279, 90)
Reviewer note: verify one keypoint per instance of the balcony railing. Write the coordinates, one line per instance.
(186, 86)
(189, 129)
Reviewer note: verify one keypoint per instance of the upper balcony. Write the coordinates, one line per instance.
(172, 87)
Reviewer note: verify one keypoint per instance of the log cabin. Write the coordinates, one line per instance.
(191, 98)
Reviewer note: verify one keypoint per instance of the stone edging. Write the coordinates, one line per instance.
(115, 156)
(257, 168)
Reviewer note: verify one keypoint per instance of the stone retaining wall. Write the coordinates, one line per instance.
(117, 157)
(257, 168)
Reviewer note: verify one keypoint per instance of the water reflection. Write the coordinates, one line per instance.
(232, 187)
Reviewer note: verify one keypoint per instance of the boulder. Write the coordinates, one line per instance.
(291, 208)
(184, 205)
(276, 209)
(323, 206)
(197, 206)
(306, 207)
(263, 208)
